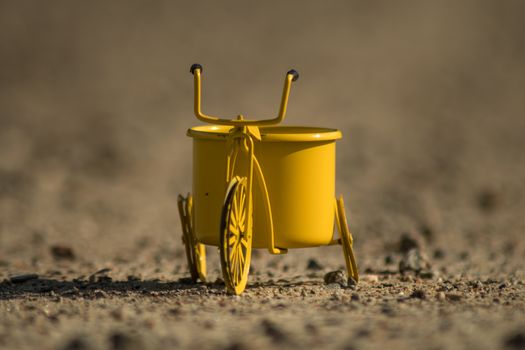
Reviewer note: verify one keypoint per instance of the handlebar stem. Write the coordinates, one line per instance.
(240, 121)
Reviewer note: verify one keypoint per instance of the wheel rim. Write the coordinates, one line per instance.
(195, 252)
(236, 237)
(198, 251)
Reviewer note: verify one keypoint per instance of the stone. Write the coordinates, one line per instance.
(23, 278)
(77, 343)
(336, 277)
(351, 282)
(515, 341)
(414, 261)
(453, 296)
(313, 265)
(123, 341)
(62, 252)
(441, 296)
(273, 331)
(418, 294)
(407, 243)
(370, 278)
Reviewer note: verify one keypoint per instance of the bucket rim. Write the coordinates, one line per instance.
(279, 133)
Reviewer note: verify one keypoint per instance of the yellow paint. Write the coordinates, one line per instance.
(299, 170)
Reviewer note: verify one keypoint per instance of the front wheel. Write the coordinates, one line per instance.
(236, 236)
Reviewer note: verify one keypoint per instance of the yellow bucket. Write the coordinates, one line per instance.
(298, 164)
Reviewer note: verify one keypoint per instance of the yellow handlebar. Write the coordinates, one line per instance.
(196, 70)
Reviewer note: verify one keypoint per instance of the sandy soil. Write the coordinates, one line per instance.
(95, 99)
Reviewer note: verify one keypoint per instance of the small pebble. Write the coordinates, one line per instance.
(122, 341)
(427, 232)
(62, 252)
(77, 343)
(414, 261)
(453, 296)
(362, 333)
(218, 282)
(389, 259)
(463, 256)
(418, 294)
(428, 274)
(99, 275)
(407, 278)
(117, 314)
(100, 294)
(273, 331)
(311, 328)
(387, 310)
(238, 346)
(313, 265)
(23, 278)
(407, 243)
(515, 341)
(476, 284)
(371, 278)
(175, 311)
(439, 253)
(487, 200)
(351, 282)
(185, 280)
(336, 277)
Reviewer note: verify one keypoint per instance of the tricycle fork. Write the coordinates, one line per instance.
(243, 138)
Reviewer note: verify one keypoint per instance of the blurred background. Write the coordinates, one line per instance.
(96, 97)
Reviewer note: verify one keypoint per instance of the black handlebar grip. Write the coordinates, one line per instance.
(195, 66)
(294, 73)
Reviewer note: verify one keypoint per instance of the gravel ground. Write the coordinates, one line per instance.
(95, 100)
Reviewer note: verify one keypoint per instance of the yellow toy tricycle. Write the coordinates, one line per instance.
(256, 185)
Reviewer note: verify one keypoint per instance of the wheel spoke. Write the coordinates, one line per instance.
(239, 200)
(234, 258)
(231, 251)
(241, 256)
(235, 211)
(233, 228)
(235, 266)
(232, 239)
(237, 273)
(242, 220)
(240, 259)
(243, 197)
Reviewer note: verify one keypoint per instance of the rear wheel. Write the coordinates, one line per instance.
(236, 236)
(195, 252)
(346, 240)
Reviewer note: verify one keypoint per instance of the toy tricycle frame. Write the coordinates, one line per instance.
(292, 205)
